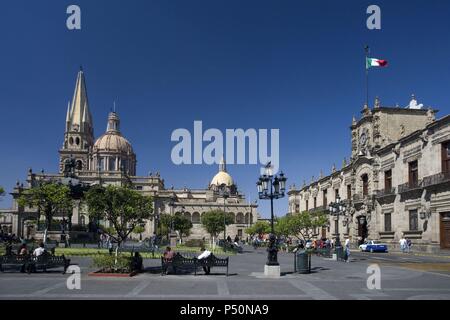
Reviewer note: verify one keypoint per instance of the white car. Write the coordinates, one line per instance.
(373, 246)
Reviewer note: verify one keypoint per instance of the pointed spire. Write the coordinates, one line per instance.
(222, 165)
(68, 112)
(333, 168)
(79, 112)
(321, 174)
(353, 120)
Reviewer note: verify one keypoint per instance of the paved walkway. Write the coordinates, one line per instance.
(329, 280)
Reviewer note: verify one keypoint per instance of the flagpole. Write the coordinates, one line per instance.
(366, 48)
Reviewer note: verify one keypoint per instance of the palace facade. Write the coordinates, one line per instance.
(111, 160)
(396, 184)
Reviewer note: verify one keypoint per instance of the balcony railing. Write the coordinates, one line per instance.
(408, 186)
(385, 192)
(436, 179)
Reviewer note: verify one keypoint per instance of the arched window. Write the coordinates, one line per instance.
(247, 218)
(196, 217)
(188, 216)
(112, 164)
(240, 218)
(365, 184)
(79, 165)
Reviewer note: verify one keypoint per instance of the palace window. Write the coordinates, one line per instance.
(413, 220)
(413, 174)
(240, 218)
(325, 203)
(387, 222)
(336, 194)
(365, 181)
(315, 202)
(349, 191)
(445, 153)
(307, 205)
(388, 180)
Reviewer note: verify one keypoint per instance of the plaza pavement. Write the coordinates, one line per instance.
(403, 276)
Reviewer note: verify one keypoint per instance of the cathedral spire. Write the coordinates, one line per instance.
(80, 115)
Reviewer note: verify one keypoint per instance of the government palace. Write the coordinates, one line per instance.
(110, 160)
(396, 183)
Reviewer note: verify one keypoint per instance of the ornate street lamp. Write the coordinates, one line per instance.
(336, 209)
(224, 192)
(271, 187)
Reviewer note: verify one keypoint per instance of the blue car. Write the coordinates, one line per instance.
(373, 246)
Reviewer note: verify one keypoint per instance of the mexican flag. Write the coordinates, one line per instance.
(372, 62)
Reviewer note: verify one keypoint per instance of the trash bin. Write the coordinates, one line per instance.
(302, 262)
(340, 253)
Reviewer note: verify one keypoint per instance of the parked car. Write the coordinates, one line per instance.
(373, 246)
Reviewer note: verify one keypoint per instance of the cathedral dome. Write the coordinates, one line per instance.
(112, 140)
(222, 177)
(113, 143)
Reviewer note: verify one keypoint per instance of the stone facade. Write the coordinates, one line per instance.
(397, 182)
(111, 160)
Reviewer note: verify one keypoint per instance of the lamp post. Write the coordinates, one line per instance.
(271, 187)
(225, 194)
(336, 209)
(173, 237)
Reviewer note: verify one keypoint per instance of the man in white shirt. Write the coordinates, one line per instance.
(347, 250)
(39, 250)
(402, 244)
(205, 254)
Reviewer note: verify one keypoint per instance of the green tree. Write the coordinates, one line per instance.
(139, 230)
(183, 225)
(259, 228)
(123, 208)
(179, 222)
(2, 192)
(49, 198)
(302, 225)
(214, 222)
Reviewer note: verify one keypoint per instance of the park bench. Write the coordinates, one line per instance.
(48, 261)
(213, 261)
(14, 261)
(180, 261)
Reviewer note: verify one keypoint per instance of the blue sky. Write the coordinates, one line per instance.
(293, 65)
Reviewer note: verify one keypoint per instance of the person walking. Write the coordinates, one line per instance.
(408, 245)
(402, 243)
(347, 250)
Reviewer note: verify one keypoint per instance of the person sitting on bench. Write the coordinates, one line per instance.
(168, 257)
(39, 250)
(205, 254)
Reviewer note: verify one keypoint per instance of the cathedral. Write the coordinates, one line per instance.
(111, 160)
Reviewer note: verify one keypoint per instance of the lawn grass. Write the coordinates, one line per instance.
(91, 252)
